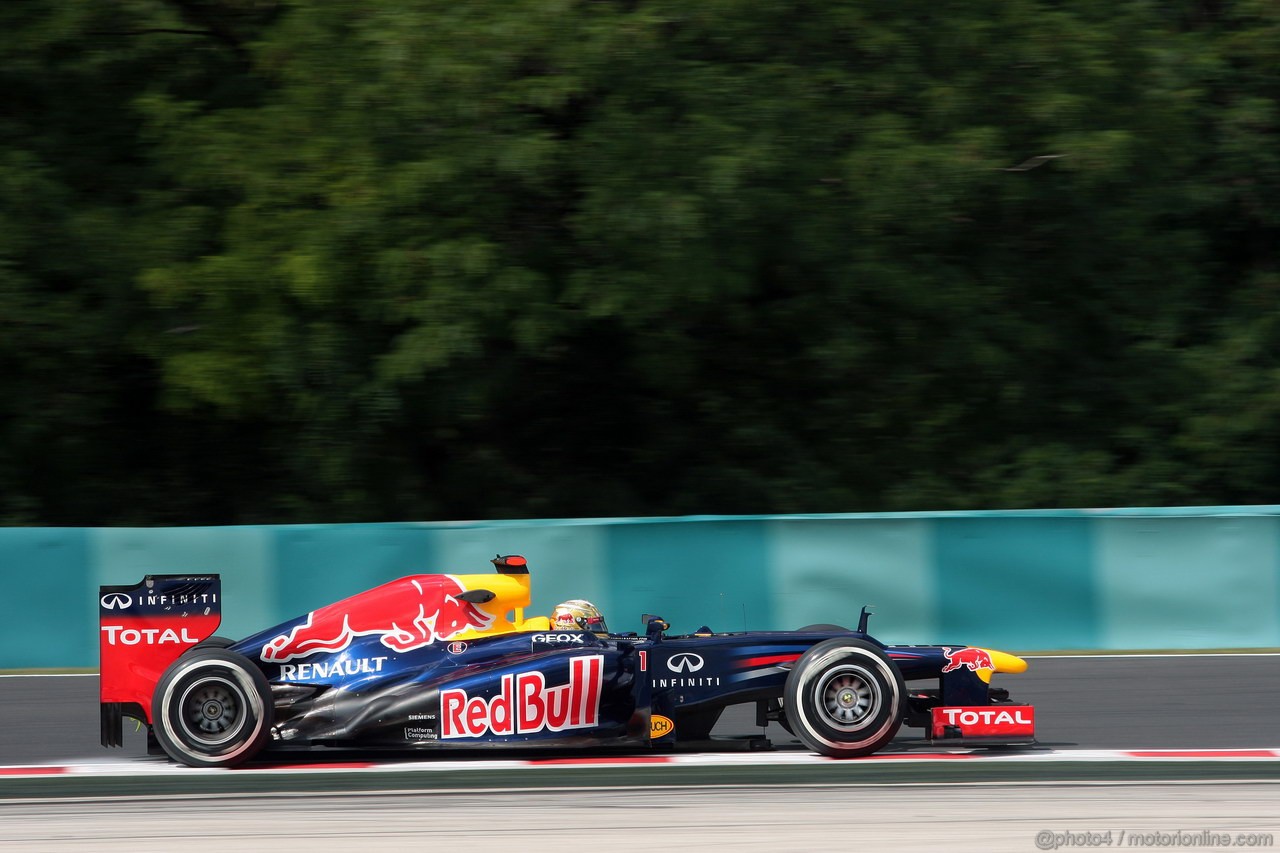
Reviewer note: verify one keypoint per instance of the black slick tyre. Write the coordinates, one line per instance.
(844, 698)
(212, 708)
(819, 628)
(214, 642)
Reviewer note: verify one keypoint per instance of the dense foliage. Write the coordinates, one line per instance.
(318, 261)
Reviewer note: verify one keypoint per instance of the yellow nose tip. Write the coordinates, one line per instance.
(1005, 662)
(1002, 662)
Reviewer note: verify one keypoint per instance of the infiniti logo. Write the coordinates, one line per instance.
(684, 662)
(116, 601)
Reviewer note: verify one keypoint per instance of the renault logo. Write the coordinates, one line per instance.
(684, 662)
(116, 601)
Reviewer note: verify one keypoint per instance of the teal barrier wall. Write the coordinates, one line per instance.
(1075, 579)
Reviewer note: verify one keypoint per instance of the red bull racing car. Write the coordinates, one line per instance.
(445, 661)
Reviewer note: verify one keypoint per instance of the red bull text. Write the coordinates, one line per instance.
(408, 614)
(526, 704)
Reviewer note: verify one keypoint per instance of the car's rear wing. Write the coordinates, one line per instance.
(142, 628)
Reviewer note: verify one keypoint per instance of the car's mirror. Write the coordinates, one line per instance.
(654, 625)
(477, 596)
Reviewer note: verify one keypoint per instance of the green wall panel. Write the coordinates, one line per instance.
(825, 570)
(1188, 582)
(48, 610)
(689, 573)
(1185, 577)
(322, 563)
(1015, 582)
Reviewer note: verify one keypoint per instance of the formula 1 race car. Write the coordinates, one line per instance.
(445, 661)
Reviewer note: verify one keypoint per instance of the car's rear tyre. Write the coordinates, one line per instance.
(214, 642)
(844, 698)
(212, 708)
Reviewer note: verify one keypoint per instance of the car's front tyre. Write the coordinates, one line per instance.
(212, 708)
(844, 698)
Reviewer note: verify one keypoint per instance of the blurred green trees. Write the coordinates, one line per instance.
(322, 261)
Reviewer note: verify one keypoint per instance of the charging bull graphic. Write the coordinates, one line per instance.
(974, 659)
(409, 613)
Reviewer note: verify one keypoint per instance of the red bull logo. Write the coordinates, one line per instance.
(970, 658)
(407, 614)
(526, 704)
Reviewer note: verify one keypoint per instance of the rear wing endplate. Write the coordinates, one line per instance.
(142, 628)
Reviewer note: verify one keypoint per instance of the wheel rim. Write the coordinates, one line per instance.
(211, 711)
(846, 697)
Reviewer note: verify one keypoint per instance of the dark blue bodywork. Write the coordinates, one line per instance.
(368, 695)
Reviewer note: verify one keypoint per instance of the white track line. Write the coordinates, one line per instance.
(664, 786)
(970, 758)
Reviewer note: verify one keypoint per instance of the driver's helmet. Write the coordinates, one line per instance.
(578, 615)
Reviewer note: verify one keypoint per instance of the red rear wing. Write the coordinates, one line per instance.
(142, 628)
